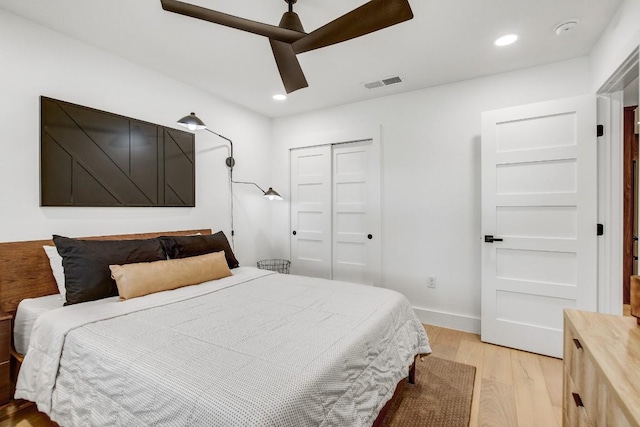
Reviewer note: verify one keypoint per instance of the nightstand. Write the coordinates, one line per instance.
(5, 356)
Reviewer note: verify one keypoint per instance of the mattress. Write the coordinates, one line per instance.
(254, 349)
(28, 312)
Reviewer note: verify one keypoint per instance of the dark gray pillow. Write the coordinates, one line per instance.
(187, 246)
(86, 264)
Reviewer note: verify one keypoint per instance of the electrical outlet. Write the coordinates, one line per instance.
(431, 281)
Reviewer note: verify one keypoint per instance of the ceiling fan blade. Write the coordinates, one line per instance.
(368, 18)
(271, 31)
(288, 65)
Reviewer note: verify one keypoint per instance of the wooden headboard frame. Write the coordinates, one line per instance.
(25, 271)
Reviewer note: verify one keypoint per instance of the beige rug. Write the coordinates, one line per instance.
(441, 396)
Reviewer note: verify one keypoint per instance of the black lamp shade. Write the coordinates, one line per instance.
(192, 122)
(271, 194)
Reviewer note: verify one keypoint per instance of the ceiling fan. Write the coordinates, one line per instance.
(289, 38)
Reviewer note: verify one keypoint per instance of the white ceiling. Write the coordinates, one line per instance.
(447, 41)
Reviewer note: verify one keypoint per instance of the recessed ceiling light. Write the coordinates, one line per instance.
(279, 97)
(506, 40)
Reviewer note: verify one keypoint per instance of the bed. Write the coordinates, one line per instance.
(255, 348)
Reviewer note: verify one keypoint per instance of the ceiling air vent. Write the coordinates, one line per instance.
(392, 80)
(383, 82)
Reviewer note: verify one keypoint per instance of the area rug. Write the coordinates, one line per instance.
(441, 396)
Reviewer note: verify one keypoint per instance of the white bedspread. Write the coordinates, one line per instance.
(254, 349)
(28, 312)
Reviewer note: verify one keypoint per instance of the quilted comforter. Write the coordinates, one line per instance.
(254, 349)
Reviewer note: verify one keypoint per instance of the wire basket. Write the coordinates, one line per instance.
(279, 265)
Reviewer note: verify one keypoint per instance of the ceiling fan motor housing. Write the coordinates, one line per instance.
(291, 21)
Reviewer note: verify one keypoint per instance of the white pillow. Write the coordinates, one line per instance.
(55, 261)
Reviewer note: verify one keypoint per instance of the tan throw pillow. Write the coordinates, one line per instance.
(136, 280)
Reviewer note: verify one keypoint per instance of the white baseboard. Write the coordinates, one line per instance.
(458, 322)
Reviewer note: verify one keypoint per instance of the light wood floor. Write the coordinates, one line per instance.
(512, 387)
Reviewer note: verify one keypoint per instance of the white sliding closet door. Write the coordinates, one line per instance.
(335, 212)
(356, 206)
(311, 211)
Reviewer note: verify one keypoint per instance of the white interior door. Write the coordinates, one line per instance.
(539, 196)
(311, 211)
(356, 207)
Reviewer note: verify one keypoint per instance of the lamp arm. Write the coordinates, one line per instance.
(250, 183)
(231, 160)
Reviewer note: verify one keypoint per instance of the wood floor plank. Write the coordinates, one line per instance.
(533, 404)
(497, 404)
(432, 333)
(468, 336)
(471, 352)
(27, 417)
(552, 371)
(447, 342)
(497, 364)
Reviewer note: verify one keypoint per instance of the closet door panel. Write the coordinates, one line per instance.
(356, 225)
(311, 211)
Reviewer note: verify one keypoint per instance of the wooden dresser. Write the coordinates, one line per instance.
(601, 370)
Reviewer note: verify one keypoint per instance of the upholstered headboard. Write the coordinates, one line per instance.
(25, 270)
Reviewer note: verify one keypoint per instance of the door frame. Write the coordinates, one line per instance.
(341, 136)
(610, 185)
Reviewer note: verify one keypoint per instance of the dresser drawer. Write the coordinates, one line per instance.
(574, 412)
(601, 384)
(574, 356)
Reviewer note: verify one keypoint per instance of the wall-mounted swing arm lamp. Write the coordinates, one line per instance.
(193, 122)
(270, 194)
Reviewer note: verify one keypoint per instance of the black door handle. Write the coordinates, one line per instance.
(488, 238)
(294, 232)
(370, 236)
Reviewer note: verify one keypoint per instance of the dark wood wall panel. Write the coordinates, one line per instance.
(56, 189)
(143, 159)
(178, 163)
(94, 158)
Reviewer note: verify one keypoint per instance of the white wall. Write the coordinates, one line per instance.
(617, 42)
(37, 61)
(431, 179)
(631, 93)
